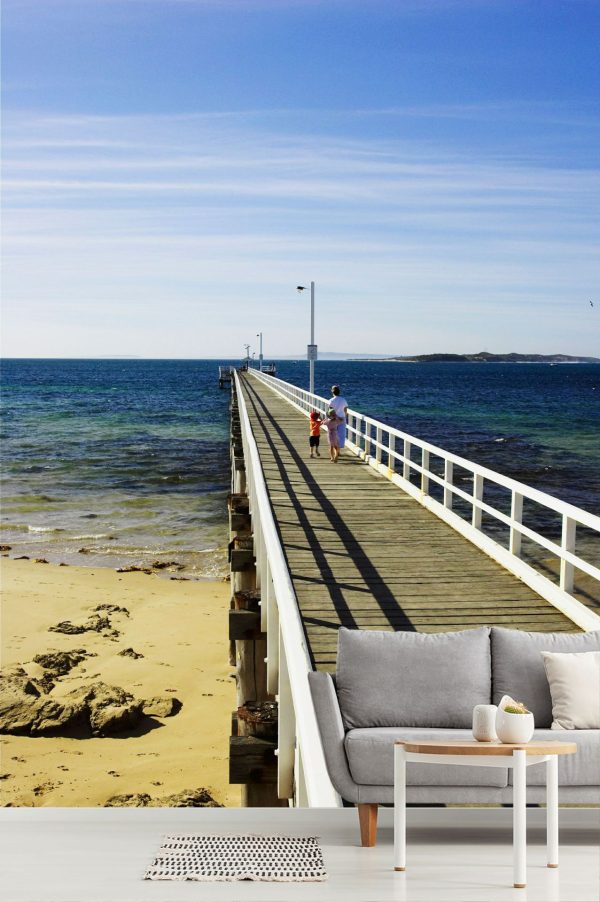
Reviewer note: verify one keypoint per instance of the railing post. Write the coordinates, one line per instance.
(258, 546)
(300, 794)
(265, 584)
(425, 473)
(477, 496)
(391, 450)
(263, 570)
(272, 639)
(567, 570)
(516, 515)
(378, 436)
(286, 729)
(239, 480)
(406, 464)
(448, 475)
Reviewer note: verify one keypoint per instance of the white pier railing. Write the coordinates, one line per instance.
(372, 440)
(301, 770)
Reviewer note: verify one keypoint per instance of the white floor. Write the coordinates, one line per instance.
(99, 855)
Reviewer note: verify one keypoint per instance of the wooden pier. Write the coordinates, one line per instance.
(358, 552)
(363, 555)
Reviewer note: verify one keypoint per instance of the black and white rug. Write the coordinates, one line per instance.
(246, 856)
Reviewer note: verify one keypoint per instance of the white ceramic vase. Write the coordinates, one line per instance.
(484, 723)
(513, 727)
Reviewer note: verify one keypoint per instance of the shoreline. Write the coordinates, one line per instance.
(169, 563)
(178, 633)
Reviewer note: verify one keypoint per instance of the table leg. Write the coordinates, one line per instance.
(552, 810)
(399, 808)
(519, 818)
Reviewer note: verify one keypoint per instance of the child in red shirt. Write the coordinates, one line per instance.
(315, 433)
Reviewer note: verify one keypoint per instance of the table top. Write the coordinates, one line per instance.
(473, 747)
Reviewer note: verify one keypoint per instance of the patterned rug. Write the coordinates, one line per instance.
(248, 856)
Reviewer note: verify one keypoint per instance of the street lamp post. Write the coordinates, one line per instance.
(260, 353)
(312, 348)
(247, 347)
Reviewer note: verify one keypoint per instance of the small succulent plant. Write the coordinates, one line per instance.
(516, 708)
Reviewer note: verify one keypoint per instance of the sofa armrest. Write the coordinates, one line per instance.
(331, 727)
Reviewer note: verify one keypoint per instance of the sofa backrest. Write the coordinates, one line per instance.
(518, 666)
(408, 679)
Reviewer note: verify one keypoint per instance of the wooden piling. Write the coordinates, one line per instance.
(252, 759)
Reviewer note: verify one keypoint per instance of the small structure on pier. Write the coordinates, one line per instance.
(225, 375)
(226, 372)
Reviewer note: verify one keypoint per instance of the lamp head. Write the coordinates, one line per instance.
(300, 287)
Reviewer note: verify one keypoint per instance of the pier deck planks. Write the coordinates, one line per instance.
(363, 554)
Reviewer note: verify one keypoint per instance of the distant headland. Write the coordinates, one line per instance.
(485, 357)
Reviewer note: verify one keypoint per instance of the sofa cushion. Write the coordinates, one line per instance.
(518, 667)
(574, 680)
(371, 760)
(408, 679)
(580, 769)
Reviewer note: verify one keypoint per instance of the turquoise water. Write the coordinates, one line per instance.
(128, 459)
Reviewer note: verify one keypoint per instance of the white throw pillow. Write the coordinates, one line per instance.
(575, 689)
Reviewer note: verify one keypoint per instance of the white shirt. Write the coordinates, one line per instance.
(338, 404)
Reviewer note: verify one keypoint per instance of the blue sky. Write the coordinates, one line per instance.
(174, 168)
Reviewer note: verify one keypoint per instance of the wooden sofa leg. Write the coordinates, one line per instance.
(367, 818)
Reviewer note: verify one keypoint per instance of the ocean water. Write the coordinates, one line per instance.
(119, 462)
(112, 463)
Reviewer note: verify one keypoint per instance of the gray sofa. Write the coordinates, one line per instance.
(406, 685)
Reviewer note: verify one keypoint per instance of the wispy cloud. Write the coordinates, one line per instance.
(89, 157)
(203, 213)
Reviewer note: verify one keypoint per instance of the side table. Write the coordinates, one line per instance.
(487, 754)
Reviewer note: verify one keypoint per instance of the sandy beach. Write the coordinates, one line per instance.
(174, 635)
